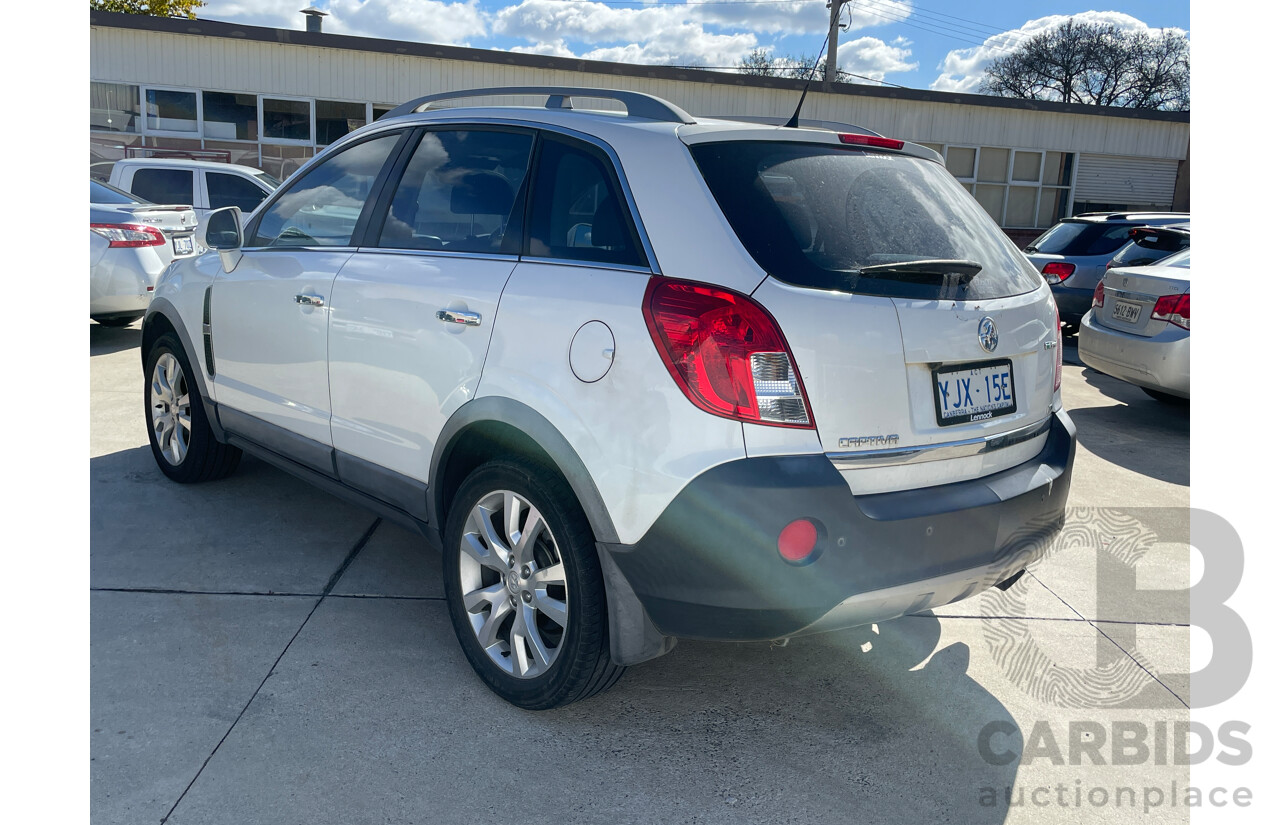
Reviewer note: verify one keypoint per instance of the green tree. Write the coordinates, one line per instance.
(1097, 64)
(158, 8)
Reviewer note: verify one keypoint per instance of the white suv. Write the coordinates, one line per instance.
(641, 376)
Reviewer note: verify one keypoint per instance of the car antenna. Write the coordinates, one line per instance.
(794, 122)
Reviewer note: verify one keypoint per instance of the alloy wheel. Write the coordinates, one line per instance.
(513, 584)
(170, 409)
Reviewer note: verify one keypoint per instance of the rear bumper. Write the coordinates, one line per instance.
(1072, 303)
(709, 567)
(1161, 362)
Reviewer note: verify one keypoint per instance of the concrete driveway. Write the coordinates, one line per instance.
(264, 653)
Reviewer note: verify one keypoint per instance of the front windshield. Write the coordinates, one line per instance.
(271, 181)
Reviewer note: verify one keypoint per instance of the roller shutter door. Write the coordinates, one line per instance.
(1139, 181)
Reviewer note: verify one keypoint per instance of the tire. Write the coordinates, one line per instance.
(117, 320)
(182, 441)
(514, 594)
(1166, 398)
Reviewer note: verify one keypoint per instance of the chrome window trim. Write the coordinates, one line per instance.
(938, 452)
(529, 259)
(441, 253)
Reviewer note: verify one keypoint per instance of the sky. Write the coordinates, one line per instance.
(937, 46)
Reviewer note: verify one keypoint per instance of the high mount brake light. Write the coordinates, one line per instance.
(872, 140)
(129, 234)
(726, 353)
(1176, 309)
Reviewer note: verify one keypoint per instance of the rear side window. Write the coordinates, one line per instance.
(175, 186)
(458, 192)
(233, 190)
(578, 212)
(815, 215)
(1082, 238)
(322, 207)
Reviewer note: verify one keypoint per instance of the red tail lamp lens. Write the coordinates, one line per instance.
(1056, 272)
(798, 540)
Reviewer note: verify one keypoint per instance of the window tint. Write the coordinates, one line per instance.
(233, 190)
(164, 185)
(321, 207)
(578, 212)
(458, 192)
(815, 215)
(1076, 238)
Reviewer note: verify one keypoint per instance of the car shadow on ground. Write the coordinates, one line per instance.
(1127, 434)
(857, 726)
(106, 340)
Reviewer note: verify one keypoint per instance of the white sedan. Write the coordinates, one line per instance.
(130, 244)
(1139, 329)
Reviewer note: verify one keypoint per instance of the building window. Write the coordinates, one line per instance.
(335, 119)
(114, 107)
(169, 110)
(1019, 188)
(379, 110)
(286, 120)
(229, 116)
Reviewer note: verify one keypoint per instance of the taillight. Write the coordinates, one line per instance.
(1057, 359)
(1056, 272)
(726, 353)
(1176, 309)
(129, 234)
(871, 140)
(1098, 297)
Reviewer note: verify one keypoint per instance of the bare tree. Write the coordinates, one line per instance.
(1098, 64)
(758, 62)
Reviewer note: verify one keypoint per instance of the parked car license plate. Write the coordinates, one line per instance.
(973, 392)
(1125, 311)
(183, 245)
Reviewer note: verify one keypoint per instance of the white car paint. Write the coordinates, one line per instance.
(124, 171)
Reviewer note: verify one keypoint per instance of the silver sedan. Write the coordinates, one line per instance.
(1139, 329)
(130, 244)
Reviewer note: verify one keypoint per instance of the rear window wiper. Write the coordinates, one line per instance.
(939, 267)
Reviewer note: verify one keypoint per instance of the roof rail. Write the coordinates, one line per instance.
(560, 97)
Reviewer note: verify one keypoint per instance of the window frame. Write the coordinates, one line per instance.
(311, 121)
(198, 134)
(970, 183)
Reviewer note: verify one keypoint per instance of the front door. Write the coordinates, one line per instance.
(270, 315)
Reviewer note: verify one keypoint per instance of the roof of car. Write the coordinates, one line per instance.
(215, 165)
(1130, 217)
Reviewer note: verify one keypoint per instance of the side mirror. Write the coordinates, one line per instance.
(221, 231)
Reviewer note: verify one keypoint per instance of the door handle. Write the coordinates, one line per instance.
(309, 300)
(457, 316)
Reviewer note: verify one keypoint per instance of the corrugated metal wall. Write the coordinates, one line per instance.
(224, 64)
(1129, 180)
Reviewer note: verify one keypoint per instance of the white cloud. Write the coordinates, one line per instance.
(430, 21)
(962, 69)
(874, 58)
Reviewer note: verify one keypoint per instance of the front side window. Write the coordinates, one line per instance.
(174, 186)
(578, 212)
(458, 192)
(322, 207)
(233, 190)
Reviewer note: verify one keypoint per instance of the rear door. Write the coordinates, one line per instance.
(414, 309)
(270, 315)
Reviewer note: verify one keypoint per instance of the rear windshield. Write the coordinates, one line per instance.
(814, 215)
(105, 193)
(1082, 238)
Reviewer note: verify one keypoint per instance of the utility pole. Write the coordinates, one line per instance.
(829, 76)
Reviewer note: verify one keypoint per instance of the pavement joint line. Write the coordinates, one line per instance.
(1050, 619)
(333, 580)
(1094, 625)
(164, 591)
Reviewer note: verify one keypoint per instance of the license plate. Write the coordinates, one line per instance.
(1125, 311)
(183, 245)
(973, 392)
